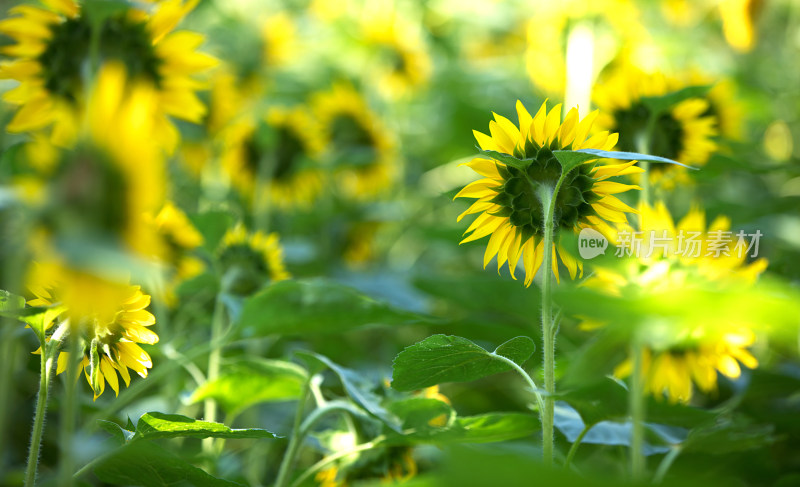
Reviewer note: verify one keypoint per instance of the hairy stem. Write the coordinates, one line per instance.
(210, 404)
(575, 444)
(46, 364)
(637, 413)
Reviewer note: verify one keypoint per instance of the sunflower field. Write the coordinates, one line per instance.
(436, 243)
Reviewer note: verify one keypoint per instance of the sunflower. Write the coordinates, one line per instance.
(685, 133)
(288, 144)
(405, 65)
(680, 353)
(103, 187)
(108, 317)
(54, 43)
(613, 22)
(358, 142)
(251, 259)
(510, 210)
(181, 238)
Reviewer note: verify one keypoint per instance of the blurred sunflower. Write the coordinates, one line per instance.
(362, 150)
(678, 354)
(507, 200)
(722, 104)
(684, 134)
(250, 260)
(405, 65)
(54, 43)
(739, 22)
(180, 238)
(114, 176)
(283, 152)
(613, 22)
(108, 318)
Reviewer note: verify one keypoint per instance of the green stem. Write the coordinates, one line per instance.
(637, 412)
(262, 204)
(528, 379)
(548, 200)
(46, 364)
(210, 405)
(294, 439)
(336, 456)
(643, 147)
(69, 413)
(575, 444)
(666, 463)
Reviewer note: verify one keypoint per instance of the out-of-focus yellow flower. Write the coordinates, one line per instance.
(103, 187)
(685, 13)
(683, 255)
(283, 152)
(279, 35)
(109, 318)
(613, 22)
(180, 238)
(359, 246)
(405, 65)
(327, 477)
(251, 259)
(685, 133)
(510, 209)
(53, 46)
(402, 466)
(361, 147)
(738, 22)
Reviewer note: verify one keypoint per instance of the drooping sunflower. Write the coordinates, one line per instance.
(251, 259)
(510, 210)
(283, 151)
(681, 352)
(103, 187)
(54, 43)
(405, 65)
(362, 151)
(108, 317)
(684, 134)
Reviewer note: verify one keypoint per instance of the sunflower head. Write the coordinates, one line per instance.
(106, 315)
(101, 188)
(250, 260)
(357, 141)
(685, 133)
(55, 44)
(689, 259)
(509, 198)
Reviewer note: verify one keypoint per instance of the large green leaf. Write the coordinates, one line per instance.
(358, 387)
(252, 381)
(160, 425)
(487, 428)
(443, 358)
(149, 465)
(10, 302)
(36, 317)
(316, 306)
(626, 156)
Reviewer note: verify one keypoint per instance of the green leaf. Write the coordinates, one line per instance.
(728, 436)
(99, 10)
(296, 307)
(149, 465)
(630, 156)
(423, 415)
(10, 302)
(442, 358)
(571, 159)
(660, 104)
(358, 388)
(253, 381)
(506, 159)
(160, 425)
(488, 428)
(36, 317)
(212, 225)
(119, 433)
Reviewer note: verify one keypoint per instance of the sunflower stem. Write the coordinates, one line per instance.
(69, 413)
(262, 206)
(46, 364)
(666, 463)
(575, 444)
(637, 412)
(294, 439)
(548, 198)
(210, 404)
(643, 142)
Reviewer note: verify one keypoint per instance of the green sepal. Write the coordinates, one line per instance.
(507, 159)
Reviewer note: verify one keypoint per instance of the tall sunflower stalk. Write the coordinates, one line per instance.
(542, 178)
